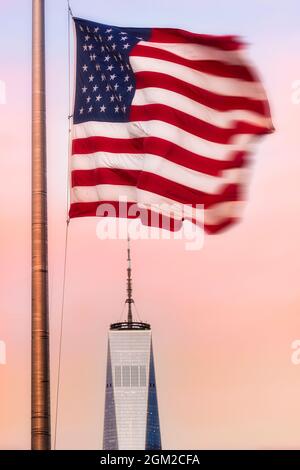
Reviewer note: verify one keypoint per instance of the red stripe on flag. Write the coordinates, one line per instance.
(99, 176)
(161, 148)
(191, 124)
(183, 194)
(218, 228)
(92, 209)
(106, 144)
(200, 95)
(225, 43)
(154, 184)
(127, 210)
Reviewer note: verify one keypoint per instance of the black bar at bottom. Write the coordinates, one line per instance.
(133, 459)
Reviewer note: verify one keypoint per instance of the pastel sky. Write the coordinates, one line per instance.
(223, 318)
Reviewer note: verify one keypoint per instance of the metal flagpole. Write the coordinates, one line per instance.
(40, 373)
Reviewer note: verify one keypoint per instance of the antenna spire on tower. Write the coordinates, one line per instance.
(129, 299)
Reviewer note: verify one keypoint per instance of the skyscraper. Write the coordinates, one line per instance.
(131, 419)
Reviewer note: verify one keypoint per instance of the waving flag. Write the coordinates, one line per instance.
(162, 116)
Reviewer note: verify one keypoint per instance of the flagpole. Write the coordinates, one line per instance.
(40, 372)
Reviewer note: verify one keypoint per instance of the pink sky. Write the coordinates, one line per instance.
(224, 372)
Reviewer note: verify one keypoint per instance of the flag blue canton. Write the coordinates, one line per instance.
(105, 82)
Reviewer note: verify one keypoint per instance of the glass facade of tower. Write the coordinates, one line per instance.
(131, 419)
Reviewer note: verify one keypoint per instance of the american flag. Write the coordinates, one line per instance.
(163, 116)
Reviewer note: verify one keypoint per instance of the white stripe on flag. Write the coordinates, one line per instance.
(161, 167)
(145, 199)
(168, 132)
(222, 119)
(197, 52)
(103, 192)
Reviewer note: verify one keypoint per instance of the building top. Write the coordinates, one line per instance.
(133, 325)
